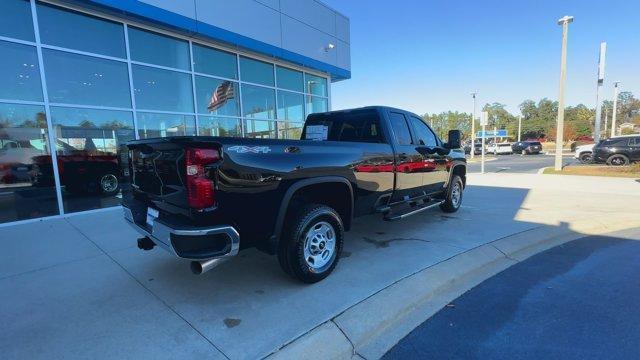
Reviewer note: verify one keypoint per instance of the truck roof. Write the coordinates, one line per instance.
(374, 107)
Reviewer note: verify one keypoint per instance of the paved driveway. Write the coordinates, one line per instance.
(78, 287)
(519, 163)
(576, 301)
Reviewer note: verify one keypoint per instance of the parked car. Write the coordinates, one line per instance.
(205, 198)
(584, 153)
(499, 149)
(477, 148)
(619, 150)
(527, 147)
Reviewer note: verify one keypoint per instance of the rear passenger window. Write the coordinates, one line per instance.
(424, 135)
(356, 125)
(635, 142)
(400, 128)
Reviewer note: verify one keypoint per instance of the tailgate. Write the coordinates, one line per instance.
(158, 171)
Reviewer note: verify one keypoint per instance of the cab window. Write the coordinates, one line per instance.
(424, 135)
(400, 128)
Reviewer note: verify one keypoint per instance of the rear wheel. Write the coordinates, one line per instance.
(453, 200)
(311, 242)
(109, 184)
(617, 160)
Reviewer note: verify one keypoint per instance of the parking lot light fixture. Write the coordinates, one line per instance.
(565, 21)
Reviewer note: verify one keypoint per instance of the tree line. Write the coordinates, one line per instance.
(539, 119)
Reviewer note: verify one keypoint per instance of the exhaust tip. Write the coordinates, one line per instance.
(196, 267)
(199, 267)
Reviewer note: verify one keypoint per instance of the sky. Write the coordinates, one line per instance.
(427, 56)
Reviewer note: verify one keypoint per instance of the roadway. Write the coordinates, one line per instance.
(575, 301)
(518, 163)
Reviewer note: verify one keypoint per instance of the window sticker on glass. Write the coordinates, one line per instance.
(317, 132)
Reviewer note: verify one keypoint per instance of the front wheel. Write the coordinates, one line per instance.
(453, 200)
(311, 243)
(585, 158)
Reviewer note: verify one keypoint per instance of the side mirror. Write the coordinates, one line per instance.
(454, 139)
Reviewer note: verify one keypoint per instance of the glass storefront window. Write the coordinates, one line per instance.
(315, 85)
(289, 79)
(258, 102)
(214, 62)
(15, 20)
(218, 97)
(25, 191)
(86, 80)
(289, 130)
(158, 49)
(218, 126)
(151, 125)
(257, 72)
(91, 155)
(70, 29)
(316, 104)
(290, 106)
(165, 90)
(263, 129)
(19, 72)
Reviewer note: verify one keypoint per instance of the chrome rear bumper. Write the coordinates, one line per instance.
(161, 234)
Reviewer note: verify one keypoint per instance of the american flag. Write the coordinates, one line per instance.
(221, 95)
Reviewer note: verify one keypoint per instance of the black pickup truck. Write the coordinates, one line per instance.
(205, 198)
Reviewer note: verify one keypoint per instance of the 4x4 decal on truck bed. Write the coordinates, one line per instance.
(241, 149)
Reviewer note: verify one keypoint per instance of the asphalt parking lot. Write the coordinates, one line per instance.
(528, 164)
(575, 301)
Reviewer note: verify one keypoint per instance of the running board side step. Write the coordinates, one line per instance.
(412, 211)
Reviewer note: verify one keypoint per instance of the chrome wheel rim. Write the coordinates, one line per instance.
(319, 245)
(109, 183)
(617, 161)
(456, 194)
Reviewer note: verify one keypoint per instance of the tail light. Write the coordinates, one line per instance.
(200, 189)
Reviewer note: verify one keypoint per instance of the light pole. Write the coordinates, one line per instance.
(484, 118)
(615, 108)
(598, 122)
(473, 125)
(519, 126)
(565, 21)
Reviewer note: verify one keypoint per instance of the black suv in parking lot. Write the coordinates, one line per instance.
(526, 147)
(618, 151)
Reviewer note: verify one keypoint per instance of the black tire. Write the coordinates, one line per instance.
(291, 248)
(617, 160)
(585, 157)
(451, 202)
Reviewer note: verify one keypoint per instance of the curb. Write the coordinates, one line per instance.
(373, 326)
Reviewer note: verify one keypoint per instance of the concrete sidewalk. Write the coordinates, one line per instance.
(85, 290)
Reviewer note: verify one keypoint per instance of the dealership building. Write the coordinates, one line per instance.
(81, 78)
